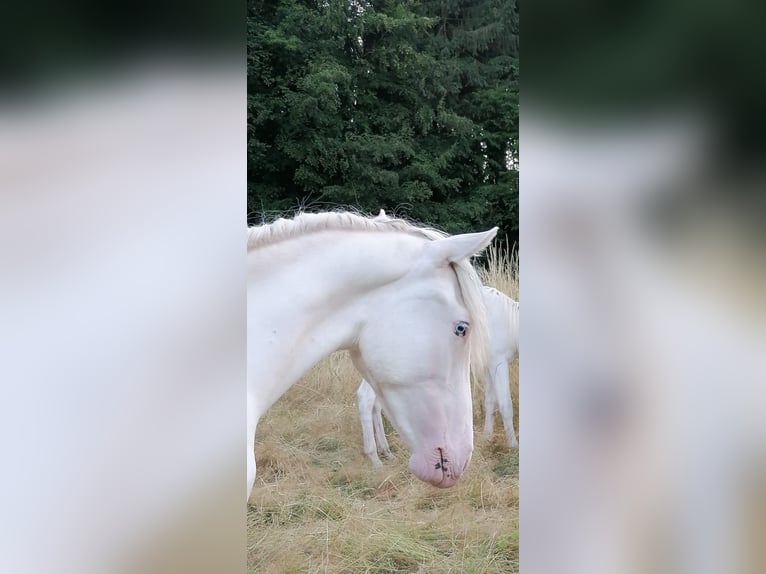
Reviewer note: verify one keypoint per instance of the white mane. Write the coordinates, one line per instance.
(308, 223)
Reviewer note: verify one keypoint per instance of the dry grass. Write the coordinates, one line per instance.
(502, 268)
(318, 506)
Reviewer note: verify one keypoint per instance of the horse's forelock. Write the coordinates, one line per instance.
(473, 297)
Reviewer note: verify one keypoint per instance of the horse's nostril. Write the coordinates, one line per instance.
(442, 464)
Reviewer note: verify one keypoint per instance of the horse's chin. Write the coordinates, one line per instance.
(438, 467)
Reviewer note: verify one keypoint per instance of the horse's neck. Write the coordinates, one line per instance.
(504, 320)
(307, 299)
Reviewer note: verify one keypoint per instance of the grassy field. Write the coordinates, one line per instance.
(318, 506)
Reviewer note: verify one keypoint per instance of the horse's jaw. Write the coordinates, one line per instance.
(440, 467)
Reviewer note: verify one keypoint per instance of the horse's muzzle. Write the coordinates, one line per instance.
(439, 467)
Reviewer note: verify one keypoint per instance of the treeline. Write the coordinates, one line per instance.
(404, 105)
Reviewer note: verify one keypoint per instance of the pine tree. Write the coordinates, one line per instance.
(405, 106)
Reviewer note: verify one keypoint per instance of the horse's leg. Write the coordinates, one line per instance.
(503, 392)
(380, 432)
(251, 424)
(365, 400)
(490, 403)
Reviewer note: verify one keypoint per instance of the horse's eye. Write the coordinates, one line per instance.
(461, 328)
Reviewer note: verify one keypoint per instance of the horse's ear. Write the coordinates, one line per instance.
(458, 247)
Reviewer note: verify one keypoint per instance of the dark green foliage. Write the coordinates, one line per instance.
(403, 105)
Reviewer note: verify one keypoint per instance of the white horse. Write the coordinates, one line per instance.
(404, 300)
(503, 316)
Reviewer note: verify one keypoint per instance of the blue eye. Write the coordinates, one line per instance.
(461, 328)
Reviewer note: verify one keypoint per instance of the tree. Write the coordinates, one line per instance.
(406, 106)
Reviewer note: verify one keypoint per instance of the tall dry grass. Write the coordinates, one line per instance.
(319, 507)
(501, 268)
